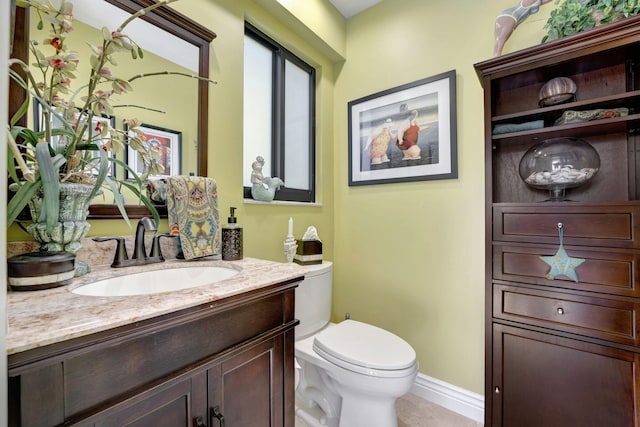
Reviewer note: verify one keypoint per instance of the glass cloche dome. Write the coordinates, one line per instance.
(558, 164)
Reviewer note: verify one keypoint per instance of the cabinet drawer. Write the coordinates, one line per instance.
(611, 272)
(605, 225)
(601, 318)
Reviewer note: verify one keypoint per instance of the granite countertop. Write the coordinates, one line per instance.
(40, 318)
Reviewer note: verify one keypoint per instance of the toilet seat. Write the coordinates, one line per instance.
(366, 349)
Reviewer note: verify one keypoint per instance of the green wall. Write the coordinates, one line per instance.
(408, 257)
(265, 226)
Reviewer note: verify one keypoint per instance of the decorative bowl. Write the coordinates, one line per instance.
(558, 164)
(557, 91)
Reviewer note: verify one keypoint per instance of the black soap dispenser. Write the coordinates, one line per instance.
(232, 239)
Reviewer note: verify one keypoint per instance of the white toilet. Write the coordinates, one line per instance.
(351, 373)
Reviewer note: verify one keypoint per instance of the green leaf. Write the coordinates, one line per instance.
(26, 134)
(131, 173)
(49, 175)
(11, 166)
(21, 199)
(145, 201)
(118, 199)
(24, 107)
(103, 169)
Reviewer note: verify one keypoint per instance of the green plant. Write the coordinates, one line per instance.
(75, 139)
(574, 16)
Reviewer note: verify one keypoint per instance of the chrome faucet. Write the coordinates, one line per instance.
(145, 224)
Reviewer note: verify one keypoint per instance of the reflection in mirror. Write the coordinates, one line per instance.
(155, 108)
(172, 42)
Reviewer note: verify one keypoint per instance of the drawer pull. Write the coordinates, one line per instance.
(560, 311)
(496, 390)
(215, 413)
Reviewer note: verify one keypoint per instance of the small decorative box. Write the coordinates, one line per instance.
(308, 252)
(35, 271)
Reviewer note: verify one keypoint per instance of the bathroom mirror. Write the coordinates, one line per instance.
(174, 38)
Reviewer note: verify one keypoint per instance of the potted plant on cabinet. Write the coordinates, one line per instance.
(575, 16)
(70, 149)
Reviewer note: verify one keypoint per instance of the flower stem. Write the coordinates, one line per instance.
(162, 73)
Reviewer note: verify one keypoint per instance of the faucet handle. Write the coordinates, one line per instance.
(155, 246)
(121, 255)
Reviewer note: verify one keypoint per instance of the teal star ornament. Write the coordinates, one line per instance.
(562, 265)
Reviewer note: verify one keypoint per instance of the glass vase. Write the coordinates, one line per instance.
(558, 164)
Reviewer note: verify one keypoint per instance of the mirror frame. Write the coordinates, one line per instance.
(168, 20)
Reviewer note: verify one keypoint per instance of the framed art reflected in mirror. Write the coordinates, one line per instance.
(168, 144)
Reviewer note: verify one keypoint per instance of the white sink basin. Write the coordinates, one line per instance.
(157, 281)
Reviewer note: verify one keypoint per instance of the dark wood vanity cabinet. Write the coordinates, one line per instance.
(226, 362)
(246, 389)
(561, 352)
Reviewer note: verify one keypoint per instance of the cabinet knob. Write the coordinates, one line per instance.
(560, 311)
(496, 390)
(215, 413)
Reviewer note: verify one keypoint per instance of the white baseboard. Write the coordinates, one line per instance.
(456, 399)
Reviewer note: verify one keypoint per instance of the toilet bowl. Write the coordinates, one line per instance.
(350, 373)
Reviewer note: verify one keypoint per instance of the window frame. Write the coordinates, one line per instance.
(280, 55)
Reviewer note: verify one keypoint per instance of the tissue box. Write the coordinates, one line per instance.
(308, 252)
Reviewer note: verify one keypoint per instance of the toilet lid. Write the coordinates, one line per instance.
(360, 344)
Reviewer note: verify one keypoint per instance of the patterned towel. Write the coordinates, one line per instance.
(571, 116)
(192, 203)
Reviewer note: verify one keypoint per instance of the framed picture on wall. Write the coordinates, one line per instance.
(167, 141)
(406, 133)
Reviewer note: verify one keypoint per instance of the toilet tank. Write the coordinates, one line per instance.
(313, 299)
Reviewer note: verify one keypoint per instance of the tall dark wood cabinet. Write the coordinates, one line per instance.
(563, 352)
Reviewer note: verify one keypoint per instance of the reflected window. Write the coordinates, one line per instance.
(279, 117)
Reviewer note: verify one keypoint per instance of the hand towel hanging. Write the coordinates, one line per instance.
(192, 203)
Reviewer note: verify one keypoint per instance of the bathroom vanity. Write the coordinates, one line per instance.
(205, 356)
(564, 349)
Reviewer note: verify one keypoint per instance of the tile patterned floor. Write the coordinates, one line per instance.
(416, 412)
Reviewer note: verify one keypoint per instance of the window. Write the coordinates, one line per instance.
(279, 117)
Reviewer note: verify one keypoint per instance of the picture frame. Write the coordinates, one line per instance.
(38, 118)
(170, 143)
(423, 113)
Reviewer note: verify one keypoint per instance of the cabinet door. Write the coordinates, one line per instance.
(247, 389)
(171, 405)
(546, 380)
